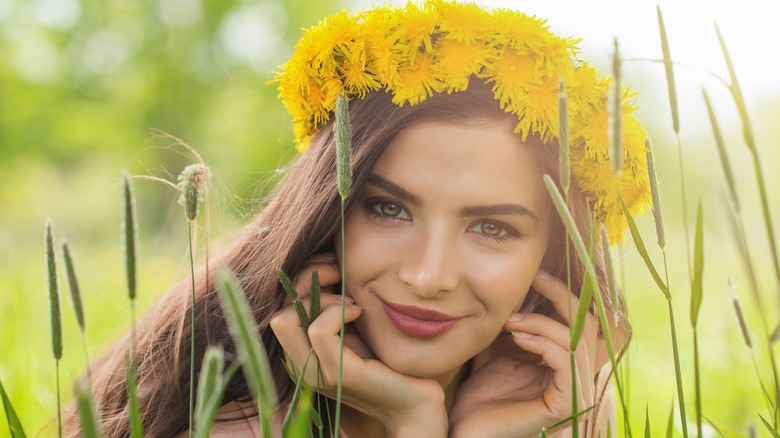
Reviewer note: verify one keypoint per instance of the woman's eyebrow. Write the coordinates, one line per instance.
(393, 188)
(498, 209)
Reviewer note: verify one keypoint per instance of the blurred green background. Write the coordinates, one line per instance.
(89, 88)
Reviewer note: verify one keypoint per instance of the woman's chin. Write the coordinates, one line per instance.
(420, 367)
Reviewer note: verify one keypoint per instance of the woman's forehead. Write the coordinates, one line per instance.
(465, 160)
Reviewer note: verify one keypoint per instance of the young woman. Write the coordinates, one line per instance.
(458, 304)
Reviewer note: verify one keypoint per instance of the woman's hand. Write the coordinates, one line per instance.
(518, 391)
(404, 405)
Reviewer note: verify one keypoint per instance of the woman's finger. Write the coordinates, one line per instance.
(326, 341)
(537, 324)
(328, 271)
(287, 327)
(558, 293)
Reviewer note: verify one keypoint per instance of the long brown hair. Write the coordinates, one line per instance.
(299, 222)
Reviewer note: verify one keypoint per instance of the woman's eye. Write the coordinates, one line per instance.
(494, 230)
(389, 209)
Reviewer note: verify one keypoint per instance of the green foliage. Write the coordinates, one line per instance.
(14, 425)
(250, 350)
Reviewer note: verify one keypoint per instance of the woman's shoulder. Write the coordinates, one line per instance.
(234, 419)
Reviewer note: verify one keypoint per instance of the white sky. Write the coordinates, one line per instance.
(746, 26)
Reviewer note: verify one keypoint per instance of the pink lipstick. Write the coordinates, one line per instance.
(418, 322)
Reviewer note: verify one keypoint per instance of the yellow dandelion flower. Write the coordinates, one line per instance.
(555, 54)
(335, 31)
(381, 37)
(415, 82)
(416, 25)
(512, 75)
(538, 110)
(462, 22)
(586, 90)
(517, 30)
(303, 131)
(353, 68)
(457, 61)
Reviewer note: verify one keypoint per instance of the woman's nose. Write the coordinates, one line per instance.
(430, 267)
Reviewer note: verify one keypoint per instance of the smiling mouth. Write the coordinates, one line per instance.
(418, 322)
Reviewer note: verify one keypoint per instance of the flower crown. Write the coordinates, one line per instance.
(415, 51)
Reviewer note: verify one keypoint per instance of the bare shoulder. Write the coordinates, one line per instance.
(235, 419)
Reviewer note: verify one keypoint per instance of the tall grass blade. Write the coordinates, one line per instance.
(586, 296)
(568, 419)
(55, 314)
(697, 381)
(289, 419)
(668, 68)
(616, 115)
(289, 289)
(747, 131)
(656, 197)
(564, 155)
(89, 423)
(610, 267)
(741, 319)
(698, 268)
(724, 431)
(670, 421)
(344, 167)
(129, 233)
(696, 298)
(724, 158)
(75, 293)
(14, 424)
(640, 246)
(647, 422)
(136, 428)
(78, 307)
(211, 389)
(300, 425)
(314, 312)
(769, 427)
(193, 187)
(775, 335)
(582, 252)
(665, 290)
(343, 134)
(243, 329)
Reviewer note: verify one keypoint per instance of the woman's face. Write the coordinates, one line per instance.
(444, 242)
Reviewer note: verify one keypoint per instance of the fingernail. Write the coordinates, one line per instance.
(516, 317)
(350, 300)
(544, 275)
(522, 335)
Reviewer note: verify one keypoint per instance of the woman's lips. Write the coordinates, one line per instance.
(418, 322)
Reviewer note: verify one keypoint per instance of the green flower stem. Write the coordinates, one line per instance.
(676, 354)
(343, 311)
(192, 328)
(579, 245)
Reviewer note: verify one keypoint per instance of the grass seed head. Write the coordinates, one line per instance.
(341, 129)
(75, 293)
(657, 213)
(563, 137)
(193, 186)
(54, 294)
(129, 233)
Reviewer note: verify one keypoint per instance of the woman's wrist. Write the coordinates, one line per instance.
(430, 420)
(433, 424)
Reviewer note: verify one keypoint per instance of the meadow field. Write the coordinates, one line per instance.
(91, 89)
